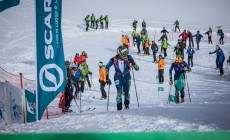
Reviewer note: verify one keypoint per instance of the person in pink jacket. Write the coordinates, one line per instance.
(184, 36)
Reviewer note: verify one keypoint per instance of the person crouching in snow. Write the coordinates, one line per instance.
(161, 65)
(180, 68)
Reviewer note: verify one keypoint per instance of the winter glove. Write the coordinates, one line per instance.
(90, 73)
(103, 82)
(170, 81)
(108, 82)
(99, 81)
(136, 67)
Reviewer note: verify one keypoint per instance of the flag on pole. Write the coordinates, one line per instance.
(4, 4)
(51, 73)
(172, 98)
(180, 83)
(160, 89)
(30, 103)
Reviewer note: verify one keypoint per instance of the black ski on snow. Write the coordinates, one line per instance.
(88, 109)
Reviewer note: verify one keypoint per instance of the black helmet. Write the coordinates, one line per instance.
(122, 51)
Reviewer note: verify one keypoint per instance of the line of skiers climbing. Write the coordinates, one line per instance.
(94, 23)
(123, 63)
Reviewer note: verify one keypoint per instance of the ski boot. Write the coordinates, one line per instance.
(182, 100)
(126, 107)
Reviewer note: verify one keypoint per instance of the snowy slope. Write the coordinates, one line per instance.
(210, 94)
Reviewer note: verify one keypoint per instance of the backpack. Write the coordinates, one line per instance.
(126, 61)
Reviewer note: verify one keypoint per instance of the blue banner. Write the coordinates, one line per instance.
(51, 71)
(30, 103)
(4, 4)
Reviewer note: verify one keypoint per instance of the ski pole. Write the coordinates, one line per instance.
(187, 87)
(209, 58)
(135, 87)
(80, 101)
(169, 95)
(72, 96)
(108, 99)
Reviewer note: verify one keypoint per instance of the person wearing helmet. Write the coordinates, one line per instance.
(178, 49)
(176, 23)
(83, 56)
(219, 59)
(180, 67)
(76, 74)
(154, 48)
(190, 51)
(77, 59)
(161, 66)
(190, 39)
(164, 31)
(184, 36)
(221, 34)
(68, 87)
(143, 24)
(135, 24)
(123, 63)
(147, 45)
(86, 71)
(209, 33)
(198, 39)
(164, 46)
(102, 79)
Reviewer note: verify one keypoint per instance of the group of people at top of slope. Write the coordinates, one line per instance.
(123, 63)
(95, 22)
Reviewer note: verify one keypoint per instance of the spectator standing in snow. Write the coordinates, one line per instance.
(92, 19)
(161, 64)
(102, 79)
(154, 48)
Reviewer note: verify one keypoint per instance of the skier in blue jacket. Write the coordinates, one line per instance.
(219, 59)
(217, 55)
(190, 52)
(138, 41)
(198, 39)
(122, 63)
(180, 68)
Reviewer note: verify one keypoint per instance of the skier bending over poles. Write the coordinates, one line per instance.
(122, 64)
(180, 68)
